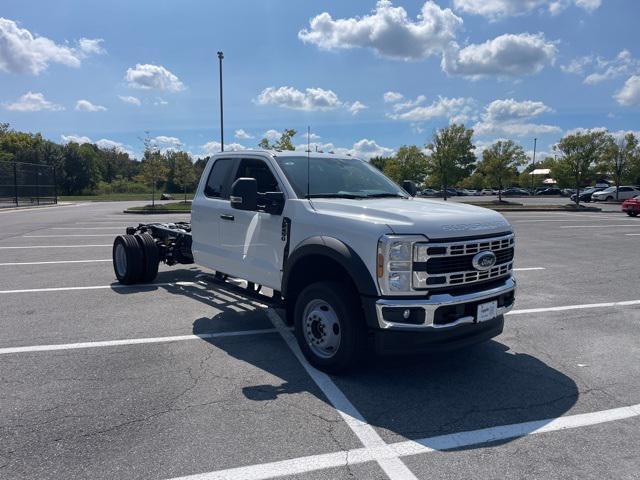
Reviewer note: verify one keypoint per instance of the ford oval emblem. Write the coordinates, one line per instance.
(484, 260)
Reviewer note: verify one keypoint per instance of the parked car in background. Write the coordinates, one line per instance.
(486, 191)
(609, 194)
(585, 195)
(430, 192)
(515, 192)
(468, 191)
(550, 191)
(567, 192)
(631, 206)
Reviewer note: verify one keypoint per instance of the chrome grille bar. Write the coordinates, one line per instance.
(422, 252)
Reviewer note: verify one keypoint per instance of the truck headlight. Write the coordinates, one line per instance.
(394, 263)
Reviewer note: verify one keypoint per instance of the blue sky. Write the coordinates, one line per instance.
(110, 71)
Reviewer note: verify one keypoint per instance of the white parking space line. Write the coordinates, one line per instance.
(626, 303)
(632, 234)
(602, 226)
(54, 246)
(416, 447)
(53, 262)
(528, 269)
(390, 464)
(132, 341)
(548, 220)
(72, 235)
(115, 286)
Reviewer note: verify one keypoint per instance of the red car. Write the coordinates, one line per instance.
(632, 206)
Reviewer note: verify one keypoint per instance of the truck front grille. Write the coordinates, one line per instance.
(443, 264)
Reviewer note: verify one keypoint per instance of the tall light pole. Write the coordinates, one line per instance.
(220, 57)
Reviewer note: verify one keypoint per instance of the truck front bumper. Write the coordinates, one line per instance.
(439, 321)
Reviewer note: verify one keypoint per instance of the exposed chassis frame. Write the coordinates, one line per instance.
(172, 239)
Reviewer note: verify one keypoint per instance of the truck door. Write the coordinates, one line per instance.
(253, 240)
(206, 211)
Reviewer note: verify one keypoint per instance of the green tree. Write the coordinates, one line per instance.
(579, 153)
(500, 163)
(618, 157)
(409, 163)
(380, 162)
(452, 157)
(184, 174)
(285, 142)
(152, 169)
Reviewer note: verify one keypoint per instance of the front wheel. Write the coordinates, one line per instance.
(329, 326)
(632, 214)
(609, 199)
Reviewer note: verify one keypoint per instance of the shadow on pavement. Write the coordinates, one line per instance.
(403, 397)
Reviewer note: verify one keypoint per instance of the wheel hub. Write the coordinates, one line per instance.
(322, 328)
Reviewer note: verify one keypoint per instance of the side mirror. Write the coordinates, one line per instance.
(410, 187)
(244, 194)
(273, 202)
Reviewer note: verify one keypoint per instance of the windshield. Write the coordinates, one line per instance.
(337, 177)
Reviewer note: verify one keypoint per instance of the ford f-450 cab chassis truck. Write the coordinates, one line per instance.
(356, 261)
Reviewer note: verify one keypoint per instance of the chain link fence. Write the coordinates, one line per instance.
(26, 184)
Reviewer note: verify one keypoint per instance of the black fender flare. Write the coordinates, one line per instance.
(338, 251)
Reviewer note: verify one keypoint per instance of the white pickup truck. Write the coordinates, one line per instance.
(357, 261)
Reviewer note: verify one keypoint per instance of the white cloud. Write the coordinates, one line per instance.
(513, 118)
(91, 46)
(504, 8)
(577, 65)
(392, 97)
(368, 149)
(457, 110)
(161, 102)
(156, 77)
(629, 94)
(289, 97)
(364, 148)
(75, 139)
(272, 135)
(356, 106)
(130, 99)
(213, 147)
(242, 135)
(87, 106)
(624, 64)
(506, 55)
(32, 102)
(420, 99)
(166, 143)
(387, 30)
(23, 52)
(106, 144)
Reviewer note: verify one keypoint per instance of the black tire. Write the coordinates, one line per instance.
(609, 199)
(632, 214)
(128, 259)
(151, 257)
(343, 301)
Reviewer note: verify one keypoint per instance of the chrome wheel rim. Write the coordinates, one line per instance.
(321, 328)
(121, 260)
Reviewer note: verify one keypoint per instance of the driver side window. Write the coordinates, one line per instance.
(258, 169)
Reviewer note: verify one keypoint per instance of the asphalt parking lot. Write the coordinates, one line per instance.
(181, 379)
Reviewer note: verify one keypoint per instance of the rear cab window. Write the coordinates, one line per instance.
(258, 169)
(217, 185)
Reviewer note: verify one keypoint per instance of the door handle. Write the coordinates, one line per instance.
(228, 217)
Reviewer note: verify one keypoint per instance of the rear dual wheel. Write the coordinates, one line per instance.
(135, 258)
